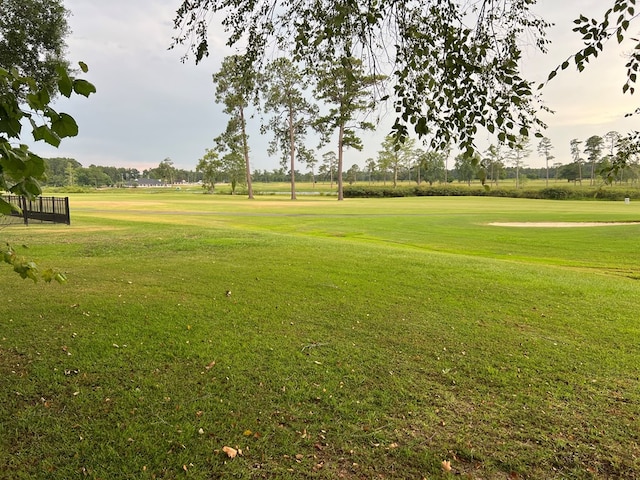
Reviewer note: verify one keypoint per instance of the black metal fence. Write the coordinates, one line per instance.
(40, 209)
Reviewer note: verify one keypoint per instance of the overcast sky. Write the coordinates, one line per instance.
(149, 106)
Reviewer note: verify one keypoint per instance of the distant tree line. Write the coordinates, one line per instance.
(592, 162)
(68, 172)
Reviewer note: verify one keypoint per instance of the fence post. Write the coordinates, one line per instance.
(25, 212)
(66, 211)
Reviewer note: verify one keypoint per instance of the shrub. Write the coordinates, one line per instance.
(450, 190)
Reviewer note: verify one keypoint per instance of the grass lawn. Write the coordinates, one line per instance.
(370, 338)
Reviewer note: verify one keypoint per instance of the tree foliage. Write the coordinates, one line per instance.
(235, 84)
(345, 87)
(394, 154)
(493, 163)
(32, 40)
(596, 34)
(517, 153)
(27, 268)
(232, 144)
(431, 163)
(466, 168)
(211, 168)
(544, 150)
(22, 98)
(593, 148)
(21, 169)
(453, 65)
(285, 98)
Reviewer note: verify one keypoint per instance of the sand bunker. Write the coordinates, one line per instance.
(561, 224)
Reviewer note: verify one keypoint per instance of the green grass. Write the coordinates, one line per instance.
(361, 339)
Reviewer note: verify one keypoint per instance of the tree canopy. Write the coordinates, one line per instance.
(32, 39)
(235, 83)
(453, 66)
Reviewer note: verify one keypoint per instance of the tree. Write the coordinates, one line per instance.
(234, 169)
(311, 160)
(544, 150)
(596, 33)
(284, 92)
(493, 162)
(571, 172)
(627, 153)
(235, 83)
(32, 40)
(611, 139)
(466, 168)
(352, 174)
(92, 176)
(166, 171)
(471, 49)
(329, 161)
(345, 87)
(370, 165)
(394, 154)
(593, 149)
(70, 174)
(574, 147)
(232, 143)
(556, 170)
(210, 166)
(517, 153)
(432, 163)
(59, 171)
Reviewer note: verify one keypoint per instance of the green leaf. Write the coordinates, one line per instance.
(10, 125)
(39, 100)
(82, 87)
(64, 82)
(43, 132)
(65, 126)
(5, 207)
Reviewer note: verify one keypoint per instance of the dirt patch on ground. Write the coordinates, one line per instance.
(560, 224)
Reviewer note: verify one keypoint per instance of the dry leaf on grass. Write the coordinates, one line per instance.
(446, 465)
(211, 365)
(231, 452)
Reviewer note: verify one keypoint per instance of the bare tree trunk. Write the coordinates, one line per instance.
(340, 158)
(580, 172)
(245, 147)
(547, 171)
(292, 149)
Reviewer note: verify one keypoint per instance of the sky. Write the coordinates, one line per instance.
(150, 106)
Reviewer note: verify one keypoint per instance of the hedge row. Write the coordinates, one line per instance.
(550, 193)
